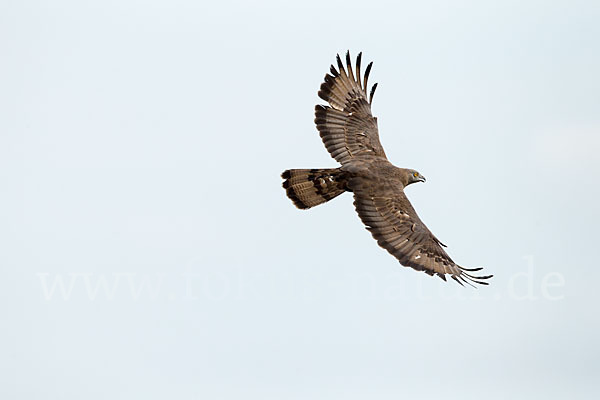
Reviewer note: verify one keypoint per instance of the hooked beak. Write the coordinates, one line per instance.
(421, 178)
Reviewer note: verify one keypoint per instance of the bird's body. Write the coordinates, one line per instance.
(349, 132)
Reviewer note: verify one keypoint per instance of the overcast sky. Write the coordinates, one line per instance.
(147, 249)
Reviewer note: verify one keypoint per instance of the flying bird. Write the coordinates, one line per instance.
(349, 132)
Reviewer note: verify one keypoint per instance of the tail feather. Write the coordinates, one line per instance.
(310, 187)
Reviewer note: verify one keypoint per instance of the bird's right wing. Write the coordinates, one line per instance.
(393, 222)
(347, 127)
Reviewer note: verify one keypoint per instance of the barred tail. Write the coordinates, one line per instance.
(310, 187)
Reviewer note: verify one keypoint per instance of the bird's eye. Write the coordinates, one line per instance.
(416, 174)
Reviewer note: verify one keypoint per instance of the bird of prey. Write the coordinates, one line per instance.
(349, 132)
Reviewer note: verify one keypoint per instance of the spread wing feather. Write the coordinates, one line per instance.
(347, 127)
(394, 223)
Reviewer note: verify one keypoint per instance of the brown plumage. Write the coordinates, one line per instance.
(349, 132)
(310, 187)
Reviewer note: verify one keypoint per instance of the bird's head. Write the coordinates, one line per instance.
(414, 176)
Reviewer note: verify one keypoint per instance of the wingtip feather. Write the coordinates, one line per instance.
(372, 93)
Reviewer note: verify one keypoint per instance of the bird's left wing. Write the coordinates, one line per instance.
(347, 127)
(394, 223)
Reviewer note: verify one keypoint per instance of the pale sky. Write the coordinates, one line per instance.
(149, 251)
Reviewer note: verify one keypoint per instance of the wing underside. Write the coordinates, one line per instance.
(395, 225)
(347, 127)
